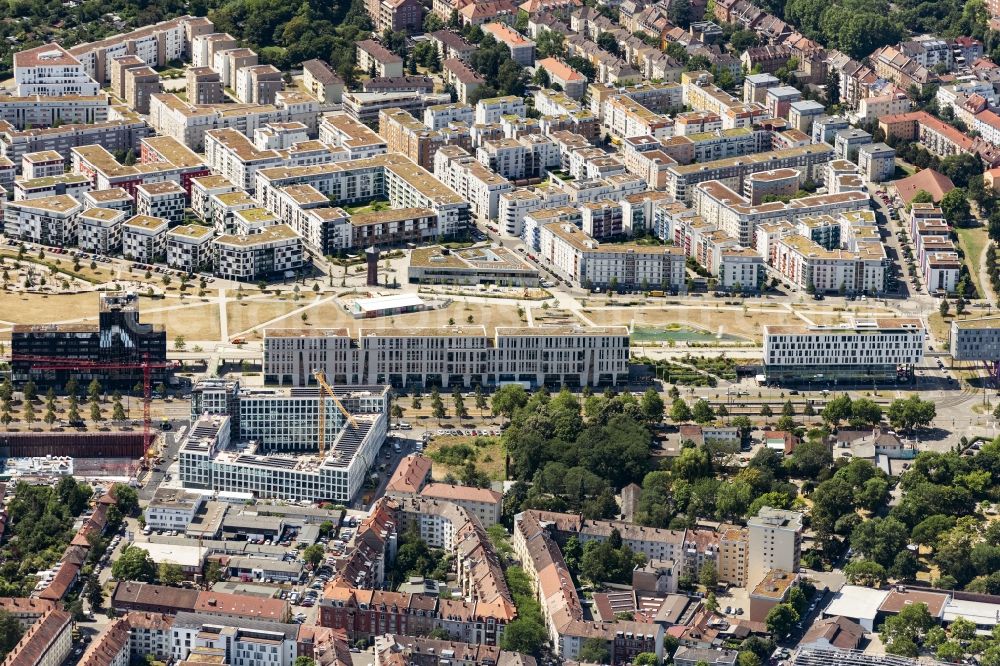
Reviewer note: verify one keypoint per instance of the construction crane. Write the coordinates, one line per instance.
(72, 364)
(324, 391)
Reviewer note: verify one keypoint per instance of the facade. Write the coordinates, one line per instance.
(216, 457)
(774, 542)
(118, 336)
(438, 265)
(246, 642)
(190, 248)
(483, 503)
(322, 82)
(877, 161)
(877, 349)
(976, 339)
(166, 200)
(51, 70)
(248, 258)
(172, 509)
(100, 230)
(539, 356)
(144, 238)
(373, 57)
(48, 220)
(395, 15)
(204, 86)
(48, 642)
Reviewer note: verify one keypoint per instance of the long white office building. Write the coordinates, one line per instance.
(450, 356)
(266, 441)
(868, 350)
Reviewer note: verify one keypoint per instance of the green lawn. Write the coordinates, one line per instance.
(973, 242)
(367, 208)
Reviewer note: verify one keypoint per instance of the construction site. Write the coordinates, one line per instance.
(296, 444)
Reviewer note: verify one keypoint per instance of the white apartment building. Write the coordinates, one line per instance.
(514, 205)
(257, 642)
(810, 267)
(166, 199)
(359, 140)
(204, 47)
(155, 44)
(42, 164)
(590, 264)
(51, 70)
(873, 349)
(394, 177)
(489, 111)
(740, 268)
(172, 509)
(100, 230)
(440, 116)
(47, 221)
(775, 542)
(203, 189)
(483, 503)
(144, 238)
(457, 355)
(189, 248)
(480, 186)
(249, 258)
(70, 184)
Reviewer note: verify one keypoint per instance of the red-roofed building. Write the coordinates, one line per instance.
(410, 477)
(483, 503)
(928, 180)
(572, 82)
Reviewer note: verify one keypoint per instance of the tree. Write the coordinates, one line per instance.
(95, 412)
(943, 308)
(747, 658)
(811, 457)
(303, 660)
(459, 402)
(912, 412)
(651, 405)
(646, 659)
(10, 632)
(126, 499)
(29, 413)
(117, 410)
(134, 563)
(214, 573)
(955, 207)
(169, 573)
(788, 409)
(865, 412)
(702, 412)
(525, 635)
(179, 343)
(508, 399)
(903, 632)
(679, 411)
(93, 592)
(865, 572)
(708, 575)
(837, 409)
(94, 390)
(313, 555)
(781, 619)
(480, 399)
(595, 650)
(766, 412)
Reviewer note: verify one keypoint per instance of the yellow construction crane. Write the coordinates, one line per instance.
(324, 391)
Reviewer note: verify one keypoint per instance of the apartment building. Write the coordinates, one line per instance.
(451, 45)
(871, 109)
(395, 15)
(522, 49)
(166, 200)
(118, 67)
(480, 186)
(47, 221)
(187, 123)
(975, 339)
(877, 161)
(487, 266)
(115, 198)
(144, 238)
(875, 349)
(248, 641)
(573, 83)
(47, 642)
(204, 47)
(393, 177)
(463, 356)
(155, 45)
(161, 159)
(483, 503)
(490, 111)
(141, 83)
(68, 183)
(513, 206)
(322, 82)
(190, 248)
(172, 509)
(51, 70)
(810, 266)
(463, 78)
(125, 134)
(274, 250)
(589, 264)
(365, 107)
(348, 134)
(44, 111)
(774, 542)
(258, 84)
(526, 158)
(378, 60)
(406, 135)
(230, 61)
(204, 86)
(810, 160)
(100, 230)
